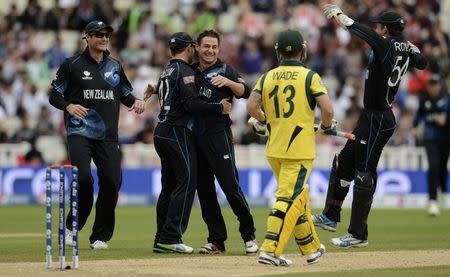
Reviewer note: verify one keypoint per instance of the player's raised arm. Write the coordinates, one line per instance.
(376, 41)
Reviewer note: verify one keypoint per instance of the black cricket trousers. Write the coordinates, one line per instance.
(107, 158)
(361, 156)
(216, 158)
(437, 154)
(176, 149)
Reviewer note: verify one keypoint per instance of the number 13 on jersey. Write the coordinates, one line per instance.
(289, 92)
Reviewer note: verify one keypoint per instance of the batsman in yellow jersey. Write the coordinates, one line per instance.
(282, 106)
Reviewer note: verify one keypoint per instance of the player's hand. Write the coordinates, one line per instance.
(327, 130)
(333, 11)
(138, 106)
(149, 91)
(77, 111)
(260, 128)
(440, 119)
(413, 49)
(220, 81)
(226, 106)
(416, 132)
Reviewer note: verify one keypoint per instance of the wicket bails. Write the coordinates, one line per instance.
(61, 212)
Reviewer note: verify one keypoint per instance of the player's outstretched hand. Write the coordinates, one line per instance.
(260, 128)
(149, 91)
(220, 81)
(333, 11)
(138, 106)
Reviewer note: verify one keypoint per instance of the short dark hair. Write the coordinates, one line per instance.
(173, 52)
(208, 33)
(289, 55)
(395, 29)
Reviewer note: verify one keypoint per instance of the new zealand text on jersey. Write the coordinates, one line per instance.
(99, 94)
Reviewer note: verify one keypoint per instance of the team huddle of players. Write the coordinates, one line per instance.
(281, 107)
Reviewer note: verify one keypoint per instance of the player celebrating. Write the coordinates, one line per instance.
(390, 58)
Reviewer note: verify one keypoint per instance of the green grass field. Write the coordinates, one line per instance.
(22, 235)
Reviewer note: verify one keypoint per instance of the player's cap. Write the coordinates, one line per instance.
(289, 41)
(389, 18)
(179, 41)
(434, 79)
(95, 26)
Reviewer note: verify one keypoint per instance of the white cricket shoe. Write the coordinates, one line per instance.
(211, 248)
(347, 241)
(99, 245)
(173, 248)
(315, 257)
(270, 259)
(433, 208)
(324, 222)
(251, 247)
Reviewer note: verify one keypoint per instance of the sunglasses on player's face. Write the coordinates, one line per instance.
(101, 34)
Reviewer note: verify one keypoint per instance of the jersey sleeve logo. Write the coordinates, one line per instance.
(211, 75)
(111, 73)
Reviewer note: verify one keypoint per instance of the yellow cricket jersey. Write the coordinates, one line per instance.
(288, 98)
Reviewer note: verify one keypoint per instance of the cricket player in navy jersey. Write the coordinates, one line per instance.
(389, 60)
(89, 88)
(174, 142)
(214, 140)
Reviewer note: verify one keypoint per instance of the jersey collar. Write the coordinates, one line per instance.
(178, 60)
(397, 37)
(291, 63)
(105, 54)
(216, 64)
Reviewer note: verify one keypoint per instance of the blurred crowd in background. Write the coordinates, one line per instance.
(35, 39)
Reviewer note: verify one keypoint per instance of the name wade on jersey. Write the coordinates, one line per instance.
(98, 94)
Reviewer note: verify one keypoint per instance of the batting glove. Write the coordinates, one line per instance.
(324, 130)
(333, 11)
(260, 128)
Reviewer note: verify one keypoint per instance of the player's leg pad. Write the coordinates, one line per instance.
(274, 225)
(336, 193)
(305, 233)
(296, 210)
(362, 201)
